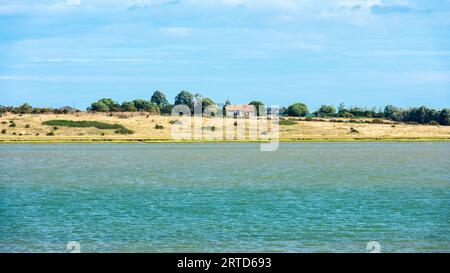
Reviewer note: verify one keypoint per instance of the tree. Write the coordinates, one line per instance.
(417, 115)
(444, 117)
(393, 113)
(185, 98)
(257, 105)
(159, 98)
(25, 108)
(105, 105)
(167, 109)
(128, 106)
(145, 106)
(207, 102)
(297, 110)
(326, 111)
(100, 107)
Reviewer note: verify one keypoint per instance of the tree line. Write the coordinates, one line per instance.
(159, 104)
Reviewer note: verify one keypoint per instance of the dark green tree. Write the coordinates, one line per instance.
(105, 105)
(25, 108)
(257, 105)
(444, 116)
(145, 106)
(100, 107)
(297, 110)
(326, 111)
(159, 98)
(128, 106)
(185, 98)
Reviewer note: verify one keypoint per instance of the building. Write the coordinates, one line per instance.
(240, 110)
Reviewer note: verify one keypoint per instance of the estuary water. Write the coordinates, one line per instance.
(305, 197)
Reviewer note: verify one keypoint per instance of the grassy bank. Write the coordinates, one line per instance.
(143, 127)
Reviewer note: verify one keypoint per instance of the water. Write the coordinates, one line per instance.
(306, 197)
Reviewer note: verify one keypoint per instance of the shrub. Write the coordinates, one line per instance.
(159, 127)
(12, 124)
(27, 126)
(55, 128)
(4, 131)
(50, 134)
(235, 123)
(4, 122)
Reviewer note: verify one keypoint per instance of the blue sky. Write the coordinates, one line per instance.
(365, 53)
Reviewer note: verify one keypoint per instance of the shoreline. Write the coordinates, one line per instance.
(165, 141)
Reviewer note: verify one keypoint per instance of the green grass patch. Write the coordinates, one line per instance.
(287, 122)
(124, 131)
(120, 129)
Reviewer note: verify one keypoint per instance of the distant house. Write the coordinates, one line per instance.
(240, 110)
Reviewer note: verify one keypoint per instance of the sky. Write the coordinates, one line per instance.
(55, 53)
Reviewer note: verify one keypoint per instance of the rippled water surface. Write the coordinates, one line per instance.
(306, 197)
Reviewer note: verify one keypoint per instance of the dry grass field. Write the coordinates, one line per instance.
(29, 128)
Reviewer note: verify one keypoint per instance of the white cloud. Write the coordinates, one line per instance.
(291, 6)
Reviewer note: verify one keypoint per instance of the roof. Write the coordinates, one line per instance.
(240, 107)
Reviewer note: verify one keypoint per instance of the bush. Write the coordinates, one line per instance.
(50, 134)
(27, 126)
(159, 127)
(4, 122)
(55, 128)
(4, 131)
(12, 124)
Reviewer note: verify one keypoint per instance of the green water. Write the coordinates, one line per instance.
(306, 197)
